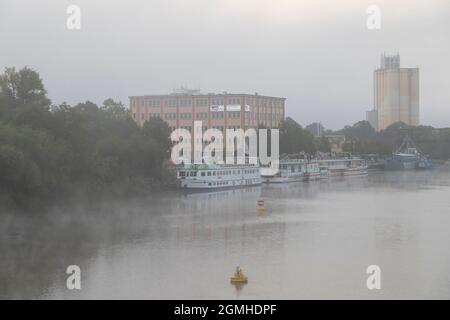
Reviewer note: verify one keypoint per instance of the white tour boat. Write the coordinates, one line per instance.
(289, 170)
(292, 170)
(312, 171)
(203, 176)
(345, 167)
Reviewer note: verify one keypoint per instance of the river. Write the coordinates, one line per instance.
(314, 241)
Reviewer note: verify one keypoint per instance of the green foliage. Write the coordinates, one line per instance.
(363, 139)
(47, 153)
(322, 144)
(295, 139)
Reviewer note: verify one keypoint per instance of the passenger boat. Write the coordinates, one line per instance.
(289, 170)
(345, 166)
(293, 170)
(408, 157)
(313, 171)
(203, 176)
(323, 172)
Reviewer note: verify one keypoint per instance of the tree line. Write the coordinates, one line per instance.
(361, 138)
(50, 152)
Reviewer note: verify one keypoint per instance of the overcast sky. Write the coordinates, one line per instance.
(318, 54)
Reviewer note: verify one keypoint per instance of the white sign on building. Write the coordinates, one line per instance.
(230, 107)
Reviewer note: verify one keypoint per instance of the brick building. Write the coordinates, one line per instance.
(220, 111)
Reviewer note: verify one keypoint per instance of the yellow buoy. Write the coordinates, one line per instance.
(239, 276)
(260, 206)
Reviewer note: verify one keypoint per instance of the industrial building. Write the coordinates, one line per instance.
(396, 94)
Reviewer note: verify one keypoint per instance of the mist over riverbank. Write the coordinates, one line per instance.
(317, 237)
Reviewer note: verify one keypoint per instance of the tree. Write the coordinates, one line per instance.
(294, 139)
(323, 144)
(23, 98)
(115, 109)
(158, 130)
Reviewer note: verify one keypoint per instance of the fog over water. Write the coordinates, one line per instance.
(315, 240)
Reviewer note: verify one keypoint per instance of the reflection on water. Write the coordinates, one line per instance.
(314, 240)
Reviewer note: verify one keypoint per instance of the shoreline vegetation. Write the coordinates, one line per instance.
(59, 154)
(52, 153)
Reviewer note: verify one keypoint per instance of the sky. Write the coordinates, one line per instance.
(318, 54)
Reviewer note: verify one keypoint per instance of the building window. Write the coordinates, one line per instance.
(170, 103)
(201, 102)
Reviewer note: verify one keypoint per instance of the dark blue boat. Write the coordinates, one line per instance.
(408, 157)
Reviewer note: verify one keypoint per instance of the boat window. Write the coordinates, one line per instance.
(203, 173)
(214, 173)
(182, 173)
(209, 173)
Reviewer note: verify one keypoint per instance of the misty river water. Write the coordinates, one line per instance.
(315, 240)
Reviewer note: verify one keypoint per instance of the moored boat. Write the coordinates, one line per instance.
(345, 166)
(312, 171)
(408, 157)
(205, 177)
(289, 170)
(292, 170)
(323, 172)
